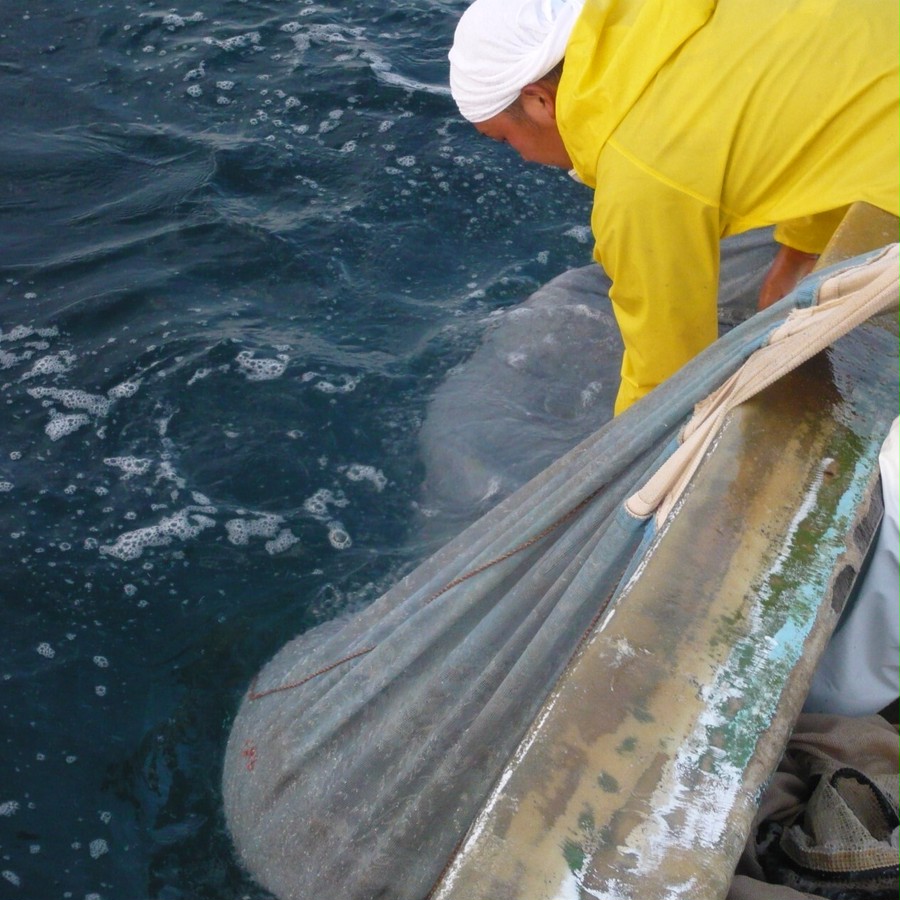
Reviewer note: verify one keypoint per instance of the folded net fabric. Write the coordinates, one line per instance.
(364, 750)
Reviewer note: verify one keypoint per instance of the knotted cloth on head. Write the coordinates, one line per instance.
(502, 45)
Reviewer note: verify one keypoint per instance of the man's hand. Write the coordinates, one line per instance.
(788, 267)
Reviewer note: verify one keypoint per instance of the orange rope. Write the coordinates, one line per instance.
(565, 517)
(256, 695)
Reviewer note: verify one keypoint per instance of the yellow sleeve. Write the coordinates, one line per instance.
(811, 233)
(660, 247)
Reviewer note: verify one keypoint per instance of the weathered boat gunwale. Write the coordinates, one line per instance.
(598, 802)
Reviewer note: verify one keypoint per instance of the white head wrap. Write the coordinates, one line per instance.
(502, 45)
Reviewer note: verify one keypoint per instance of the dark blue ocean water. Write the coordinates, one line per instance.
(241, 243)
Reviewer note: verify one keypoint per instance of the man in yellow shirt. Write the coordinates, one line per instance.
(691, 121)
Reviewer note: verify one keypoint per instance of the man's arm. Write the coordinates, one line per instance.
(660, 246)
(802, 241)
(788, 267)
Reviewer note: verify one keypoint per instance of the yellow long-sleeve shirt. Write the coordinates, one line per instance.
(699, 119)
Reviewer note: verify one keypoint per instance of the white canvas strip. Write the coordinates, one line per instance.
(845, 300)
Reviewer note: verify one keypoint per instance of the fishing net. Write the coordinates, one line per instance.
(364, 750)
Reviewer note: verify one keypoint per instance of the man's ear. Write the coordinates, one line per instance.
(538, 101)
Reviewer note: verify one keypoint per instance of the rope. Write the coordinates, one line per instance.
(565, 517)
(253, 694)
(256, 695)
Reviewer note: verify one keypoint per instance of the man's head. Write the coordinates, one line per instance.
(504, 70)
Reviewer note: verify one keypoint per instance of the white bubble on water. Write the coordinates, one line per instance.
(166, 472)
(8, 360)
(60, 426)
(100, 690)
(130, 590)
(332, 122)
(581, 233)
(123, 390)
(17, 333)
(349, 147)
(241, 530)
(162, 425)
(225, 85)
(71, 398)
(261, 369)
(338, 536)
(97, 848)
(282, 542)
(9, 808)
(57, 364)
(5, 486)
(173, 21)
(199, 375)
(184, 525)
(130, 465)
(358, 472)
(195, 91)
(11, 877)
(318, 504)
(590, 393)
(347, 384)
(101, 662)
(196, 74)
(238, 42)
(46, 650)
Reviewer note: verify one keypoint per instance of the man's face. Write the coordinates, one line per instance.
(534, 139)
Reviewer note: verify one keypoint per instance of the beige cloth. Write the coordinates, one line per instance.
(845, 300)
(792, 813)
